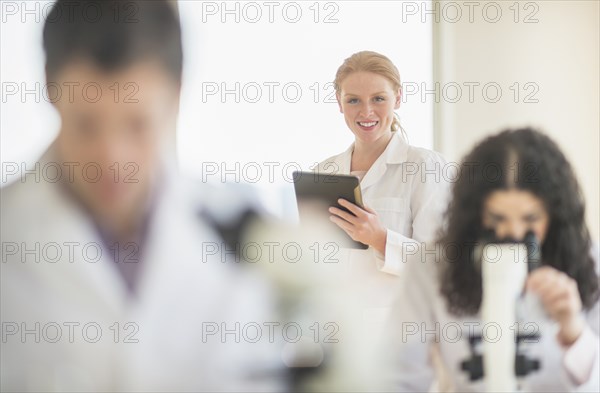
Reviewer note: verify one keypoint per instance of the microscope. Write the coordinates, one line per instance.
(496, 352)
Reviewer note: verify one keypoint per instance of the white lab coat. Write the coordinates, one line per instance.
(408, 188)
(182, 289)
(423, 329)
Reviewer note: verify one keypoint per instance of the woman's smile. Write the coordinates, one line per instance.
(368, 125)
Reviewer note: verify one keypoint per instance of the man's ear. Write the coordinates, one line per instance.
(48, 81)
(337, 97)
(398, 98)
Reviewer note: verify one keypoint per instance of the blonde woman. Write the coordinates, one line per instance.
(403, 189)
(404, 192)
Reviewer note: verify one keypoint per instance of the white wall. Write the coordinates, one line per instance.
(558, 54)
(28, 123)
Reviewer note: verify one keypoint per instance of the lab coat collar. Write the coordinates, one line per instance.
(395, 153)
(345, 161)
(72, 224)
(76, 224)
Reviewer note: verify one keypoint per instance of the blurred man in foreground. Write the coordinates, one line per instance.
(106, 279)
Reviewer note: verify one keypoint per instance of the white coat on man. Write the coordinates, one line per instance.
(69, 323)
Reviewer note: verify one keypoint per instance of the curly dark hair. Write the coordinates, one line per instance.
(528, 160)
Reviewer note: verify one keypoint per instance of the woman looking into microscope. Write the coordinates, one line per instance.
(533, 188)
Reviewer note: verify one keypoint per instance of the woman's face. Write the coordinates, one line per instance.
(367, 101)
(512, 213)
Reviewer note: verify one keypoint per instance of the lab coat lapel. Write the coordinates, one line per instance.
(88, 274)
(167, 246)
(394, 153)
(175, 248)
(344, 161)
(102, 276)
(374, 173)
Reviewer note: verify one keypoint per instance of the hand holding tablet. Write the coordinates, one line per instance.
(324, 190)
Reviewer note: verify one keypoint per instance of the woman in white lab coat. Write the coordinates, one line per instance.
(510, 184)
(404, 189)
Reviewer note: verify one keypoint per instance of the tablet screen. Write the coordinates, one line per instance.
(319, 191)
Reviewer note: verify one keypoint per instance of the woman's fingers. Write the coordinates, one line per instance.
(557, 292)
(357, 211)
(345, 225)
(343, 214)
(553, 297)
(547, 281)
(361, 225)
(541, 279)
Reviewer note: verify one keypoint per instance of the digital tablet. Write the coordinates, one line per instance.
(322, 191)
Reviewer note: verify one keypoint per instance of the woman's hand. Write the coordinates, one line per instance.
(364, 226)
(559, 294)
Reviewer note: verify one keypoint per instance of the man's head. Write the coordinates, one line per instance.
(118, 66)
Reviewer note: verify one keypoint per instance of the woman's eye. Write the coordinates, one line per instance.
(494, 220)
(352, 101)
(530, 219)
(379, 99)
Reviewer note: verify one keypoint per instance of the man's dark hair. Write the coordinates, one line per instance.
(113, 34)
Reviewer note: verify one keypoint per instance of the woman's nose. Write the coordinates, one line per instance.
(515, 231)
(366, 110)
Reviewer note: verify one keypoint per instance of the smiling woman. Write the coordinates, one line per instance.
(402, 207)
(368, 90)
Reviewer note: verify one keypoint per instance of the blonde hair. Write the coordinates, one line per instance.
(368, 61)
